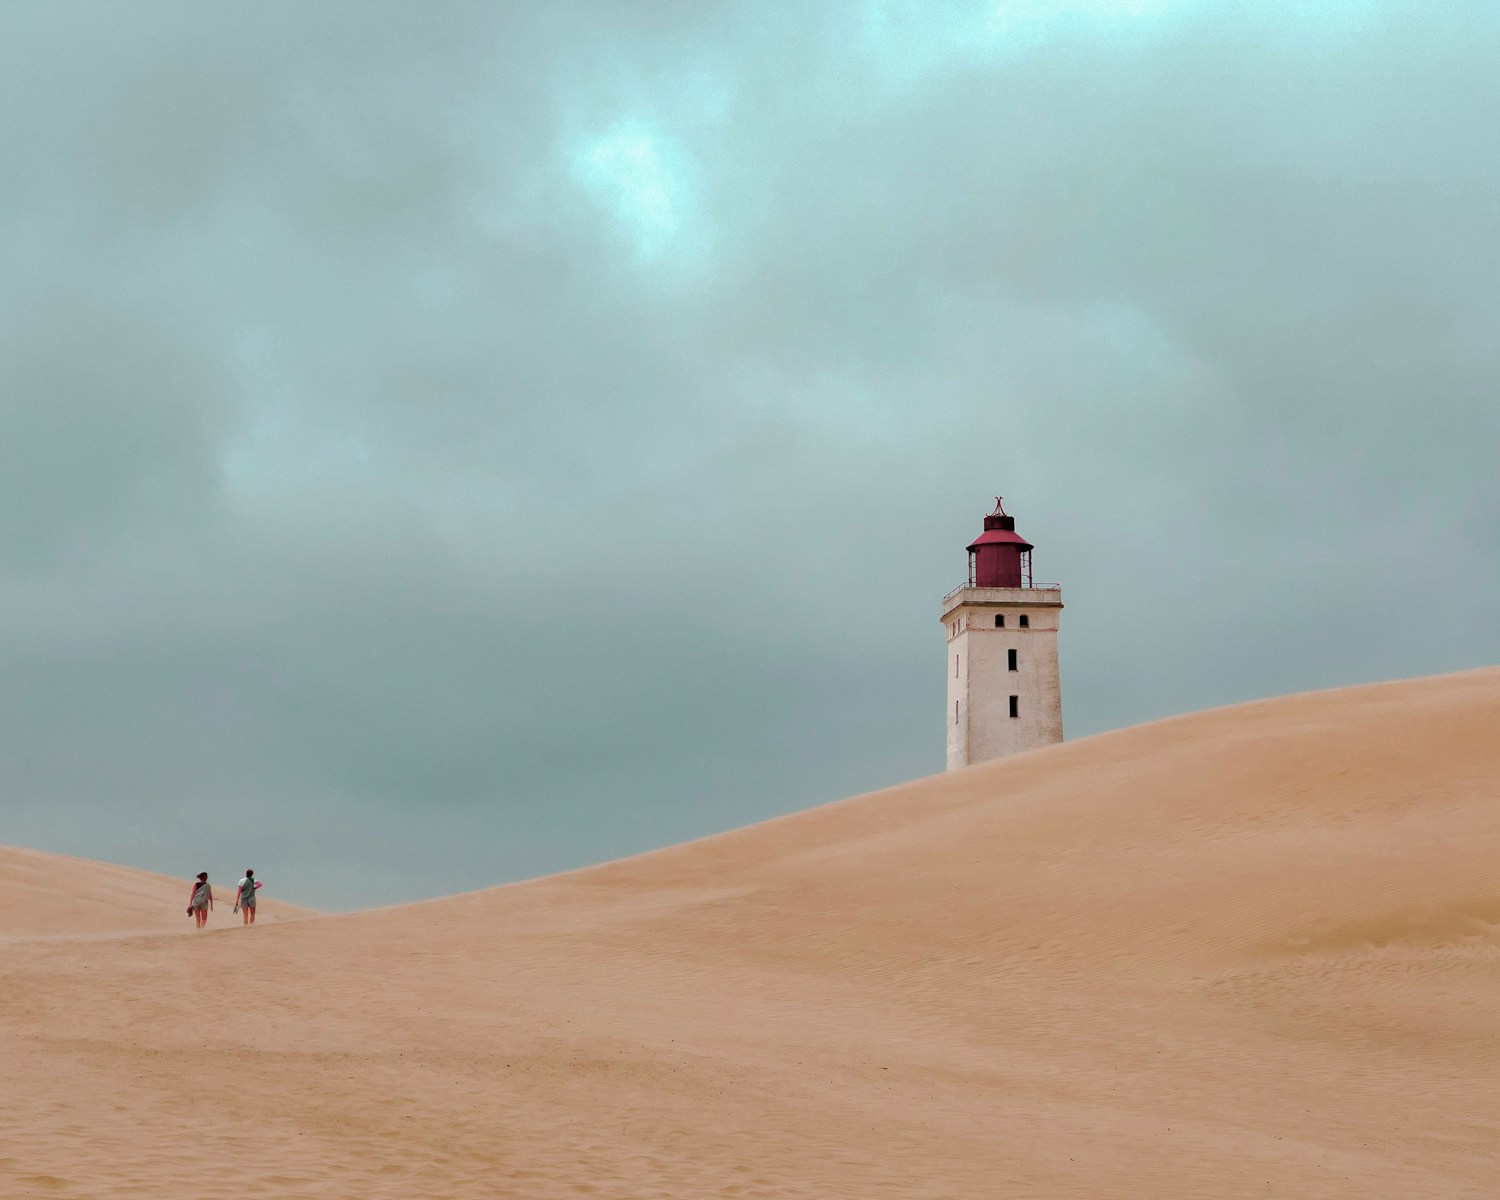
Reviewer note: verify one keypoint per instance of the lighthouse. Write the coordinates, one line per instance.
(1004, 691)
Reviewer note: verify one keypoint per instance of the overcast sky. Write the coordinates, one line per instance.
(445, 443)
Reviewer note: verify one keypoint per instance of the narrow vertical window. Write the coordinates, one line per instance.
(1025, 621)
(955, 712)
(955, 665)
(1015, 706)
(999, 620)
(1012, 663)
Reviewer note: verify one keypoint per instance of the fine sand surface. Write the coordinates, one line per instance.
(1248, 953)
(52, 895)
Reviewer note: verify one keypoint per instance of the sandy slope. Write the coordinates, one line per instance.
(1252, 952)
(45, 895)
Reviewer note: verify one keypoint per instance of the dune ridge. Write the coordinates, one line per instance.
(1248, 952)
(58, 895)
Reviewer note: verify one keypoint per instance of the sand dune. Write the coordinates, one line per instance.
(1248, 953)
(45, 895)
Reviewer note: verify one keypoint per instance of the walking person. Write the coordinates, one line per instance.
(245, 901)
(200, 900)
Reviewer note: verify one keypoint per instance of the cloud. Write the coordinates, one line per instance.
(108, 420)
(446, 444)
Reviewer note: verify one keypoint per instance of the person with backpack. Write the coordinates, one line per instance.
(245, 902)
(200, 900)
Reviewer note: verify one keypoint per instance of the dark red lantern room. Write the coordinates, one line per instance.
(1000, 557)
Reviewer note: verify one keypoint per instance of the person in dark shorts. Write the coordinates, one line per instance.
(200, 900)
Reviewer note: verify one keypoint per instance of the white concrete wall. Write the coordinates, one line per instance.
(980, 681)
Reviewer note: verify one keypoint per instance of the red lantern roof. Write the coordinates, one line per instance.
(1009, 536)
(1000, 529)
(1000, 557)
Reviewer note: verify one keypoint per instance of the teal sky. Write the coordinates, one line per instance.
(447, 443)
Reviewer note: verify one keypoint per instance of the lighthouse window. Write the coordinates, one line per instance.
(999, 620)
(1025, 621)
(1013, 666)
(1015, 706)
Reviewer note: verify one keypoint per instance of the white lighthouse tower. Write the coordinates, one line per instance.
(1004, 691)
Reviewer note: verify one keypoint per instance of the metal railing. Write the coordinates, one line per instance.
(1025, 587)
